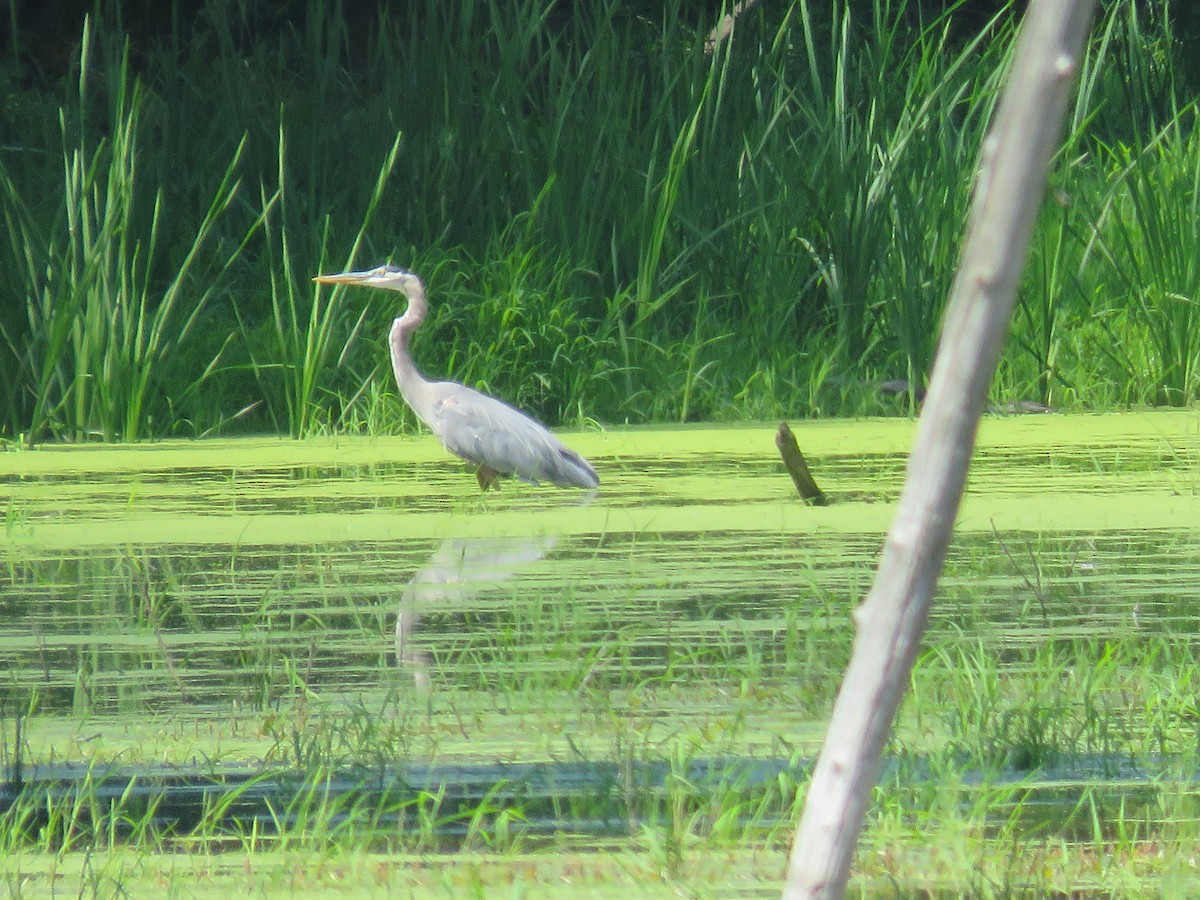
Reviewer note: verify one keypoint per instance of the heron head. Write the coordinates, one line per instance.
(388, 277)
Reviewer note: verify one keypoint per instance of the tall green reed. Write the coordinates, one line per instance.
(513, 324)
(1149, 234)
(309, 335)
(1085, 320)
(107, 304)
(890, 168)
(1057, 279)
(766, 227)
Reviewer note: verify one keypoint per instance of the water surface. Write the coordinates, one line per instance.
(180, 600)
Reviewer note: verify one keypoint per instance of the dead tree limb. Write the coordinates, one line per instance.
(1015, 157)
(794, 462)
(724, 28)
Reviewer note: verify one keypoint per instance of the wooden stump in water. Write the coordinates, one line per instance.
(793, 461)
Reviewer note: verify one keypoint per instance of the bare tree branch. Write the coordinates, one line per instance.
(891, 621)
(724, 28)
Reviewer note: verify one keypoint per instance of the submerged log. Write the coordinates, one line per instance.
(793, 461)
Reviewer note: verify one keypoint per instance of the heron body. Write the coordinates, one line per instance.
(489, 434)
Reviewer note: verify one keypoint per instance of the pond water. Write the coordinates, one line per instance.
(223, 600)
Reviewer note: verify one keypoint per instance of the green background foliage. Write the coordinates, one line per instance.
(615, 225)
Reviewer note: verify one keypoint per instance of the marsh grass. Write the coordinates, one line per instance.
(616, 225)
(992, 835)
(229, 606)
(1042, 702)
(107, 304)
(1151, 218)
(1058, 292)
(677, 826)
(309, 337)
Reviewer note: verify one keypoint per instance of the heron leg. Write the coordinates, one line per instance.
(487, 477)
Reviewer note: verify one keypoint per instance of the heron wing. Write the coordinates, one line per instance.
(489, 432)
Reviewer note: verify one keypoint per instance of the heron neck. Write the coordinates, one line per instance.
(409, 380)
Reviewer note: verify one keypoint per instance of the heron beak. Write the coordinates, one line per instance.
(342, 278)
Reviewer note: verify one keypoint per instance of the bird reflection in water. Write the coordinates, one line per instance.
(460, 570)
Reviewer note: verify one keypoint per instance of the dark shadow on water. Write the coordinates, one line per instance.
(593, 798)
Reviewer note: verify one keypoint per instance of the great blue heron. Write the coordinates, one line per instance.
(488, 433)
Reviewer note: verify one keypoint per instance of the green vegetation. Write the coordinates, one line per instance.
(614, 224)
(230, 605)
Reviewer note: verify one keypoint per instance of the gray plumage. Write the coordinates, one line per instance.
(488, 433)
